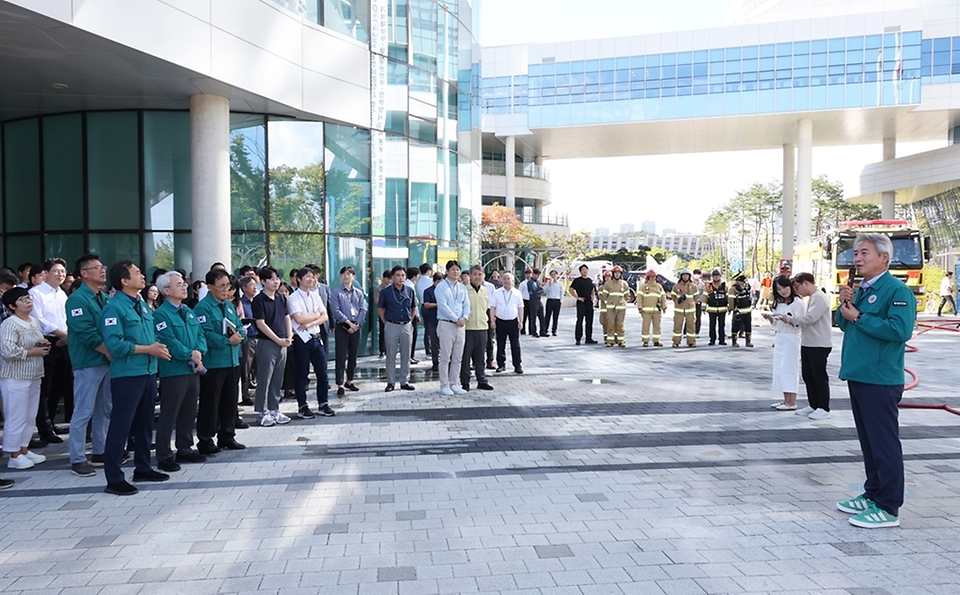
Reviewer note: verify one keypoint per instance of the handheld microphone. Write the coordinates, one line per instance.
(850, 274)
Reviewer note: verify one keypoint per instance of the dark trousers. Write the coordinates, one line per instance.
(505, 329)
(474, 352)
(699, 314)
(490, 336)
(526, 316)
(311, 352)
(248, 366)
(217, 410)
(813, 369)
(381, 342)
(718, 327)
(347, 345)
(413, 341)
(742, 323)
(876, 415)
(178, 407)
(535, 317)
(552, 313)
(427, 345)
(290, 371)
(584, 321)
(430, 329)
(943, 301)
(57, 382)
(132, 416)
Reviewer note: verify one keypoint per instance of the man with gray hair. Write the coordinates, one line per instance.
(876, 322)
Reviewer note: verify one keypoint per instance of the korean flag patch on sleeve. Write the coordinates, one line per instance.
(161, 326)
(109, 322)
(76, 312)
(201, 319)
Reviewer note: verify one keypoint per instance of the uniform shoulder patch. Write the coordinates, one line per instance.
(899, 303)
(201, 319)
(161, 326)
(76, 312)
(109, 322)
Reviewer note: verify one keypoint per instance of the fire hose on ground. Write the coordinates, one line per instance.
(949, 324)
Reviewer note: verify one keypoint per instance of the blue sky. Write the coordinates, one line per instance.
(662, 179)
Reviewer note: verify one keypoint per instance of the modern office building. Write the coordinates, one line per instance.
(695, 245)
(177, 133)
(782, 74)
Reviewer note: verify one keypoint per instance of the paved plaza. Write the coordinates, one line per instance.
(599, 471)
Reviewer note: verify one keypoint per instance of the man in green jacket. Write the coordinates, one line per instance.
(128, 334)
(91, 369)
(178, 329)
(217, 412)
(876, 322)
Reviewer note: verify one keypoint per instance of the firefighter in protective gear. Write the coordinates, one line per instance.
(651, 301)
(601, 308)
(740, 302)
(684, 298)
(716, 307)
(613, 300)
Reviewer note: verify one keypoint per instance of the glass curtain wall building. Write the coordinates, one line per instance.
(118, 183)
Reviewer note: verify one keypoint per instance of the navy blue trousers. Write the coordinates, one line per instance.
(878, 428)
(305, 354)
(133, 405)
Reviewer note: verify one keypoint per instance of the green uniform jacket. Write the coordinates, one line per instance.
(873, 346)
(83, 328)
(125, 324)
(220, 353)
(181, 333)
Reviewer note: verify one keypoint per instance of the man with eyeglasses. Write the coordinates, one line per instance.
(91, 365)
(49, 307)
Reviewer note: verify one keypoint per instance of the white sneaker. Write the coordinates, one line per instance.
(280, 418)
(819, 414)
(805, 411)
(785, 407)
(775, 405)
(35, 458)
(21, 462)
(446, 391)
(458, 390)
(266, 419)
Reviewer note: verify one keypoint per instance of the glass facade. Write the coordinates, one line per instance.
(404, 191)
(824, 74)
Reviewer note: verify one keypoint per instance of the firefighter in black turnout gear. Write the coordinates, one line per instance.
(740, 302)
(716, 307)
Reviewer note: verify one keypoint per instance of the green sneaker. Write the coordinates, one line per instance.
(874, 518)
(855, 505)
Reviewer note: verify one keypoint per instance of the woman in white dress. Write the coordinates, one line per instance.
(787, 306)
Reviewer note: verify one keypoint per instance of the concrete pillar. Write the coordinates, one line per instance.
(888, 199)
(210, 181)
(511, 172)
(804, 179)
(789, 197)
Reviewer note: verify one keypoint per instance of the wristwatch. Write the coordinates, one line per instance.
(859, 314)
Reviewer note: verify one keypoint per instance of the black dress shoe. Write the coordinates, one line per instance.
(51, 438)
(61, 431)
(501, 369)
(518, 370)
(150, 475)
(208, 449)
(191, 457)
(591, 342)
(407, 386)
(230, 444)
(351, 387)
(169, 465)
(247, 402)
(38, 443)
(121, 489)
(388, 388)
(340, 391)
(484, 386)
(240, 424)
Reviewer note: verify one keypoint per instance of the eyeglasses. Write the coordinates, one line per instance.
(24, 299)
(101, 267)
(178, 285)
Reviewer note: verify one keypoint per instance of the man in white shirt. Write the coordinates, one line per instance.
(946, 293)
(453, 310)
(50, 308)
(525, 294)
(816, 342)
(506, 311)
(309, 314)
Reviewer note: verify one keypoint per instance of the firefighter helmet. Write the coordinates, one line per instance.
(651, 273)
(617, 269)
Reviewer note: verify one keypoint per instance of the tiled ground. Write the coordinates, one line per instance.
(599, 471)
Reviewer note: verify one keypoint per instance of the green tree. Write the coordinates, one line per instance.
(830, 208)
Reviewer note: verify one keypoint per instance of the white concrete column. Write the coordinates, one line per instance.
(511, 172)
(888, 199)
(210, 181)
(789, 197)
(804, 179)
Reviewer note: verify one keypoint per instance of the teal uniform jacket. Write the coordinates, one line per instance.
(126, 323)
(873, 346)
(210, 314)
(181, 333)
(83, 328)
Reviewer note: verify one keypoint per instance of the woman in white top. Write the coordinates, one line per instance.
(787, 306)
(22, 348)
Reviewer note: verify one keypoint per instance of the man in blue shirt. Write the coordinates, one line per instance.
(453, 309)
(397, 308)
(429, 315)
(348, 310)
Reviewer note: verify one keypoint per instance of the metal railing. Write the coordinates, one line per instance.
(545, 219)
(523, 170)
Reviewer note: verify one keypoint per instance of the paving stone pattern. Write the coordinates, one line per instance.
(599, 471)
